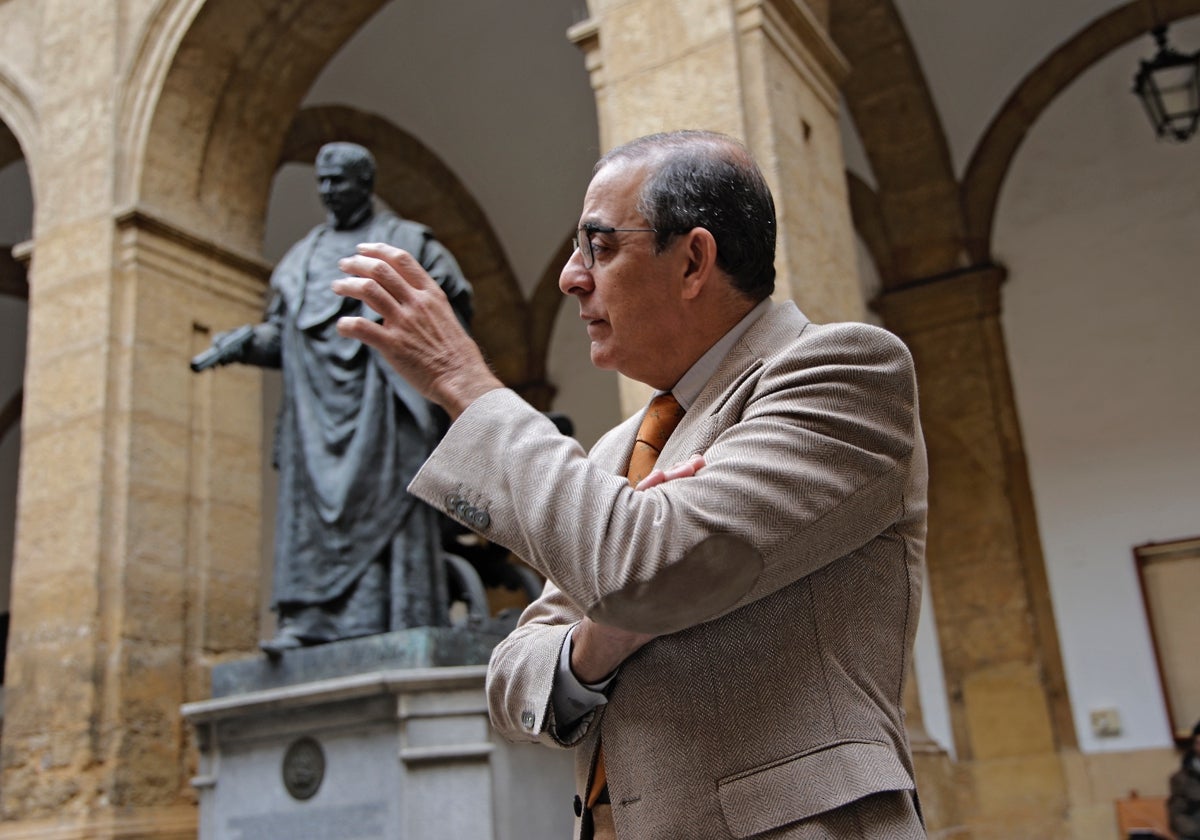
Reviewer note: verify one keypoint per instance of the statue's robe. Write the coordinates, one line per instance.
(350, 435)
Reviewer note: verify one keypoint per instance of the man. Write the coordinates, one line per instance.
(355, 554)
(723, 642)
(1183, 804)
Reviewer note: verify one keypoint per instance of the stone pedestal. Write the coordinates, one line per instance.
(398, 753)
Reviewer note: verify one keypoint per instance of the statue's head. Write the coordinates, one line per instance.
(345, 180)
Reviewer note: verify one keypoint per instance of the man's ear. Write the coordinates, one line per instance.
(699, 250)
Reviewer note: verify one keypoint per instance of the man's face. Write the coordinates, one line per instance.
(629, 297)
(341, 190)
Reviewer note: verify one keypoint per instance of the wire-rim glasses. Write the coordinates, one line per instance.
(583, 239)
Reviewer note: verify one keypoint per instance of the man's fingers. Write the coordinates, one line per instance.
(682, 470)
(655, 478)
(387, 277)
(363, 329)
(371, 292)
(689, 467)
(387, 253)
(403, 263)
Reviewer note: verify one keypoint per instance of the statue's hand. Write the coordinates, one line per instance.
(221, 337)
(421, 337)
(228, 346)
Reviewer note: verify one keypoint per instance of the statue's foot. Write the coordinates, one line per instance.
(284, 640)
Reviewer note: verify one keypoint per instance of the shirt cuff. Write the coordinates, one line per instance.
(571, 698)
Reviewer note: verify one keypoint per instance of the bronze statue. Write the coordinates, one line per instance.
(355, 554)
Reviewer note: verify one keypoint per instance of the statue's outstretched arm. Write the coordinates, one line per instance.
(250, 344)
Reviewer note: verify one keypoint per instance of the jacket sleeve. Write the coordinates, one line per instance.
(810, 455)
(520, 681)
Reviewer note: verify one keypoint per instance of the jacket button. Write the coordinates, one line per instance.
(527, 719)
(480, 519)
(578, 806)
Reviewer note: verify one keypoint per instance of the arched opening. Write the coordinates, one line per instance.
(492, 150)
(1061, 182)
(1095, 224)
(16, 226)
(513, 117)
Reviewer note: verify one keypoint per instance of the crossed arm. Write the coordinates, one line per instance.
(599, 649)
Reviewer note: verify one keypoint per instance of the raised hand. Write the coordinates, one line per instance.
(420, 335)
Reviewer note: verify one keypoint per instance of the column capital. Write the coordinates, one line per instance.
(802, 36)
(966, 295)
(586, 35)
(152, 241)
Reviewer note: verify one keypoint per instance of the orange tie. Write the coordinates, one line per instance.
(661, 418)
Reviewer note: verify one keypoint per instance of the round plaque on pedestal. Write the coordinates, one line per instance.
(303, 768)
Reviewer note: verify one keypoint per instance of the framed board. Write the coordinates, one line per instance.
(1169, 574)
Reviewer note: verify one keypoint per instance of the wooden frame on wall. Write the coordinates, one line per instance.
(1169, 575)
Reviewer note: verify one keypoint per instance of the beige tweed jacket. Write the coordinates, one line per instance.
(784, 580)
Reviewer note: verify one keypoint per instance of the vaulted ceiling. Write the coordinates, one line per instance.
(924, 198)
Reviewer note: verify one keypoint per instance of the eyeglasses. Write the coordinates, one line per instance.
(583, 240)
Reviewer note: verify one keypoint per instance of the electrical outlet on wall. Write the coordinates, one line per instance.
(1106, 723)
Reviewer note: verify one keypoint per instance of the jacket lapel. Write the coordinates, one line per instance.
(779, 325)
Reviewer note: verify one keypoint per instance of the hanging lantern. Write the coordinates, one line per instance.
(1169, 87)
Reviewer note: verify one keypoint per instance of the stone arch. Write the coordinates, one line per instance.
(207, 139)
(418, 185)
(152, 60)
(921, 222)
(871, 226)
(18, 139)
(917, 196)
(13, 280)
(995, 151)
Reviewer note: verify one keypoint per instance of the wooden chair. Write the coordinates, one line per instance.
(1143, 817)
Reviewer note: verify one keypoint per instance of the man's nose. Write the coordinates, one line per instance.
(575, 279)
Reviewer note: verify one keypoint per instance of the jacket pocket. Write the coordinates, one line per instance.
(808, 784)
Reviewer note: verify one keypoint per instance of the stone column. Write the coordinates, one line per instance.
(137, 556)
(764, 71)
(1008, 704)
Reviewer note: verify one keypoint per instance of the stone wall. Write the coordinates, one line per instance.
(151, 131)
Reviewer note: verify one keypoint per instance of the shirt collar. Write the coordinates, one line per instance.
(692, 383)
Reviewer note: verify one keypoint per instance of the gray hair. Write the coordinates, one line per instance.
(709, 180)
